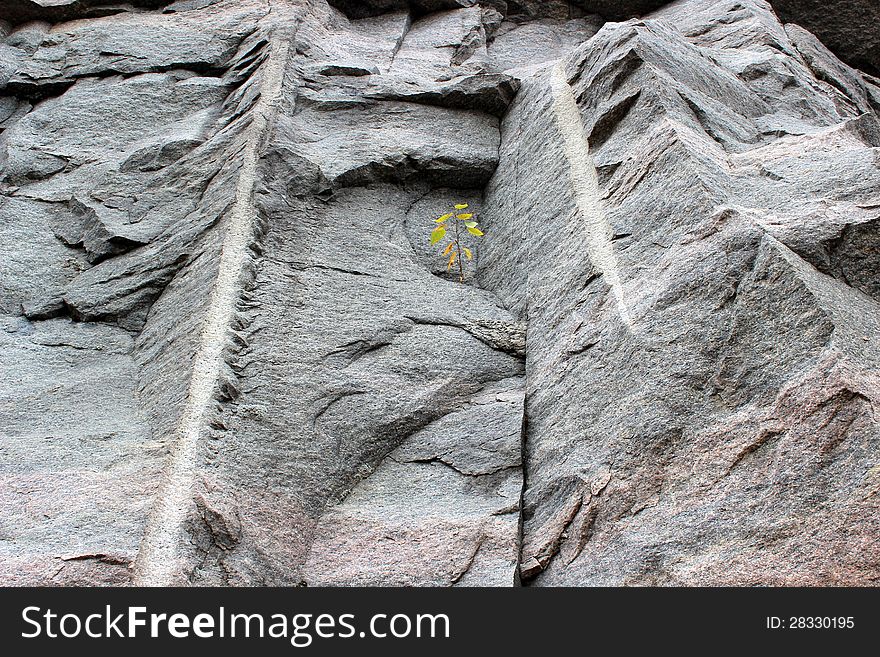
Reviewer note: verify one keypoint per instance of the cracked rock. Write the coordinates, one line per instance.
(232, 357)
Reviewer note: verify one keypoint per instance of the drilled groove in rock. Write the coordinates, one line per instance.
(159, 561)
(585, 186)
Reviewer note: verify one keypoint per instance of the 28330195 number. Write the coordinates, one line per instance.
(821, 622)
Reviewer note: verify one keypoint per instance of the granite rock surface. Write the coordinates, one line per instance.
(229, 355)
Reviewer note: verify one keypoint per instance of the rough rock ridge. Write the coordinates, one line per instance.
(229, 356)
(701, 374)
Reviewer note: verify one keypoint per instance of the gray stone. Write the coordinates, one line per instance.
(127, 44)
(231, 355)
(438, 46)
(851, 28)
(717, 382)
(568, 9)
(365, 8)
(534, 43)
(491, 94)
(387, 142)
(188, 5)
(41, 266)
(616, 10)
(55, 11)
(79, 467)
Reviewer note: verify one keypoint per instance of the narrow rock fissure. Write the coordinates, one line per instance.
(524, 456)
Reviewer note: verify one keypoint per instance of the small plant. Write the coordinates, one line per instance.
(454, 248)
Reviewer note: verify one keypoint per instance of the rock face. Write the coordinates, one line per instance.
(22, 11)
(851, 28)
(701, 373)
(231, 357)
(215, 224)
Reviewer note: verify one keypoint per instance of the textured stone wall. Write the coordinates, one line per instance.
(230, 356)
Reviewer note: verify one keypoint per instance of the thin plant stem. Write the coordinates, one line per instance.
(458, 249)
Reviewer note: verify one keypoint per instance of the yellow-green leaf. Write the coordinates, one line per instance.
(467, 252)
(452, 260)
(465, 216)
(461, 206)
(475, 231)
(470, 224)
(449, 248)
(443, 219)
(438, 234)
